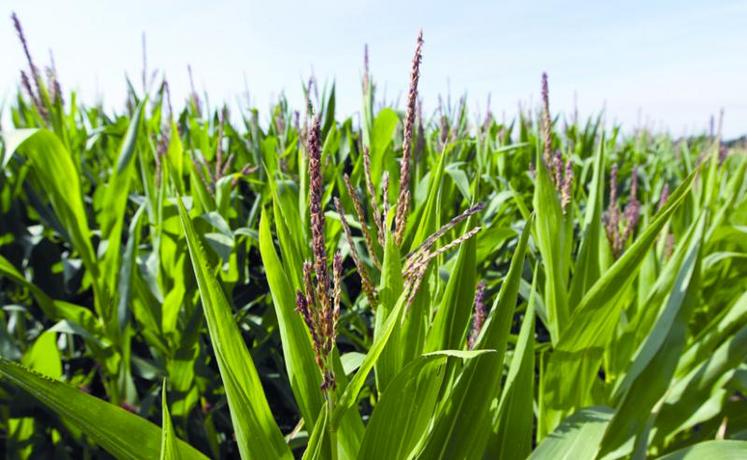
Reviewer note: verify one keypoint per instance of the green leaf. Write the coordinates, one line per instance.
(112, 214)
(169, 446)
(175, 157)
(427, 215)
(691, 391)
(451, 322)
(288, 227)
(257, 434)
(708, 339)
(53, 309)
(315, 447)
(580, 349)
(587, 269)
(350, 395)
(513, 424)
(460, 425)
(553, 235)
(59, 177)
(351, 361)
(722, 450)
(44, 356)
(390, 290)
(650, 374)
(577, 437)
(303, 372)
(127, 268)
(13, 139)
(381, 137)
(403, 414)
(121, 433)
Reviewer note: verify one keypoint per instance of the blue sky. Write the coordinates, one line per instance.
(672, 64)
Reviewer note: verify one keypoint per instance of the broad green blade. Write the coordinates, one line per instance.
(42, 357)
(117, 190)
(451, 323)
(121, 433)
(579, 351)
(315, 447)
(577, 437)
(553, 233)
(693, 390)
(350, 395)
(651, 372)
(460, 425)
(587, 269)
(709, 337)
(390, 290)
(257, 434)
(383, 130)
(59, 177)
(427, 216)
(513, 423)
(403, 414)
(303, 373)
(53, 309)
(721, 450)
(127, 270)
(175, 156)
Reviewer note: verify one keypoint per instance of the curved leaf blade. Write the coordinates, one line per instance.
(257, 434)
(122, 433)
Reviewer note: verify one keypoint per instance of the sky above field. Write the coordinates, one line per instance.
(668, 64)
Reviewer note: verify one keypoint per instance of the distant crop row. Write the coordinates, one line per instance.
(199, 283)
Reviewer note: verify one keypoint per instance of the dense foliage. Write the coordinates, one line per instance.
(200, 283)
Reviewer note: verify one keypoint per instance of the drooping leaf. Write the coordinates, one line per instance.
(59, 177)
(122, 433)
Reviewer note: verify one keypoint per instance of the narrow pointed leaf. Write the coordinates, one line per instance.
(257, 434)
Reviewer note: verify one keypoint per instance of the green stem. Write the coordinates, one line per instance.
(332, 427)
(331, 398)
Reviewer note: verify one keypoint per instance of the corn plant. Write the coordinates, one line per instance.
(197, 283)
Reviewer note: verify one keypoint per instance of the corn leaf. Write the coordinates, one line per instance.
(722, 450)
(257, 433)
(452, 319)
(122, 433)
(650, 373)
(512, 435)
(169, 446)
(577, 437)
(303, 373)
(403, 414)
(458, 426)
(580, 349)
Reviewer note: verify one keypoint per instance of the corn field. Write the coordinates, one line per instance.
(184, 281)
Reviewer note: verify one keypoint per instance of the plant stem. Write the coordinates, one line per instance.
(332, 428)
